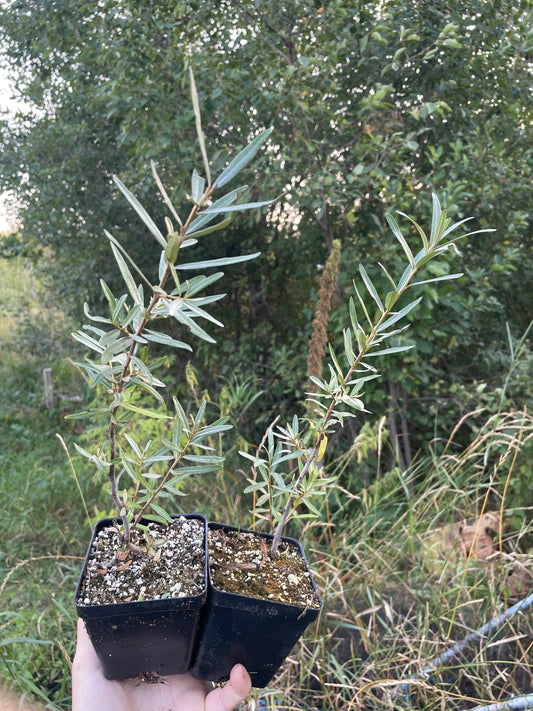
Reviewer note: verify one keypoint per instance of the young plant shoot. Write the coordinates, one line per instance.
(133, 323)
(340, 396)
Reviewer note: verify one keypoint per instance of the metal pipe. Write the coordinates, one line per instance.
(492, 626)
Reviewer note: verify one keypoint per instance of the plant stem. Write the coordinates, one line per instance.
(164, 479)
(157, 294)
(334, 402)
(288, 505)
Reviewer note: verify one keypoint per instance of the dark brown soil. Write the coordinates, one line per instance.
(172, 564)
(240, 562)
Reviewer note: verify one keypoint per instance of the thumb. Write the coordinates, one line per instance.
(85, 657)
(226, 698)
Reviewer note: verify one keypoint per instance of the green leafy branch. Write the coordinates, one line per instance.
(366, 338)
(132, 324)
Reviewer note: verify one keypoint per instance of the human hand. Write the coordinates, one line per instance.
(181, 692)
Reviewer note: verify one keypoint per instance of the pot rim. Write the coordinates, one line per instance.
(140, 606)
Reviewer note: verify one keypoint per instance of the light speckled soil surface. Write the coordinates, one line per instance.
(173, 567)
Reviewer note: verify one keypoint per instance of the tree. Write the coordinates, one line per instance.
(373, 105)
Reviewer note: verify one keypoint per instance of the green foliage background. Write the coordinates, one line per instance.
(372, 105)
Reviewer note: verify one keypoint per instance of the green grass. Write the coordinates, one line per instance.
(395, 595)
(41, 538)
(43, 533)
(395, 600)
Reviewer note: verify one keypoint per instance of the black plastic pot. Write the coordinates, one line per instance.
(248, 630)
(131, 638)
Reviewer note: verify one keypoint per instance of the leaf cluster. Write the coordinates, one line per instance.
(370, 334)
(142, 474)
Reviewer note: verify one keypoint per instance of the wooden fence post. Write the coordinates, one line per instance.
(48, 388)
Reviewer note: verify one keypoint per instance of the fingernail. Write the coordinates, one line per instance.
(242, 670)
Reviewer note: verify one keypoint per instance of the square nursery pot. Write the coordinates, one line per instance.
(258, 633)
(137, 637)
